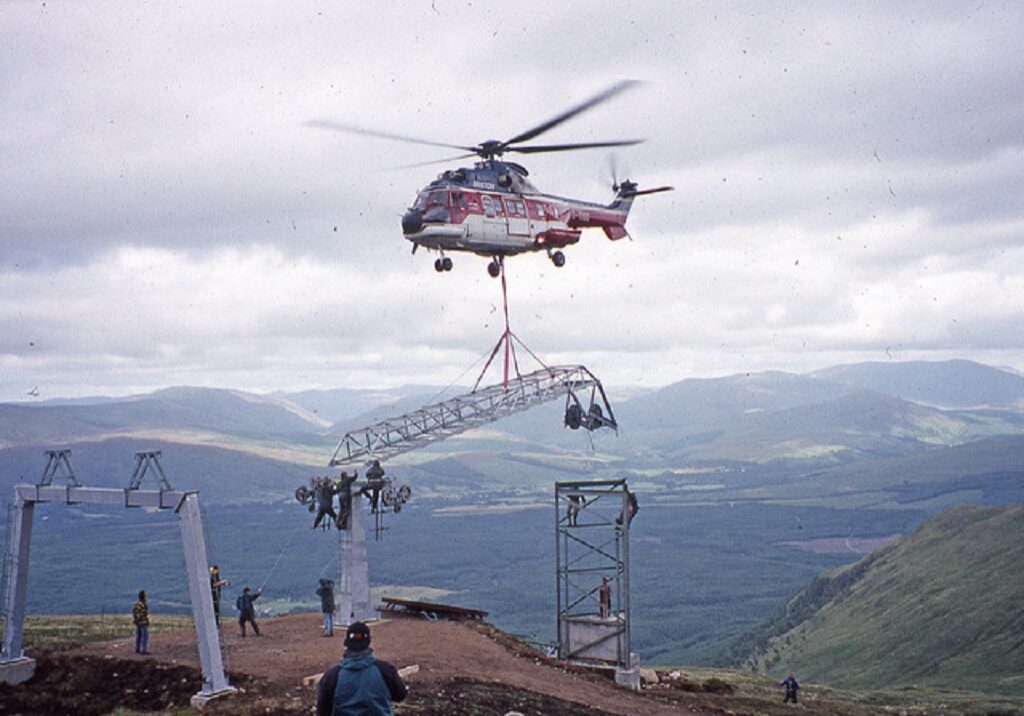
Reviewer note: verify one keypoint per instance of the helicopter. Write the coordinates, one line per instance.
(493, 209)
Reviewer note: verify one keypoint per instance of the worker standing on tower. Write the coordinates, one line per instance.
(374, 484)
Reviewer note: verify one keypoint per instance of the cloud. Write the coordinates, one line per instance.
(848, 182)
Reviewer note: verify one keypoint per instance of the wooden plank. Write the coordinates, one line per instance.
(394, 603)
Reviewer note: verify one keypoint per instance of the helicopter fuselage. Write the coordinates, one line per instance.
(494, 210)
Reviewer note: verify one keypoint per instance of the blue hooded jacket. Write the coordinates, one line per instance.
(361, 690)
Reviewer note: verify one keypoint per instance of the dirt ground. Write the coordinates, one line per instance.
(457, 663)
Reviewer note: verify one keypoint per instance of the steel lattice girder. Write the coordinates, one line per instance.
(438, 421)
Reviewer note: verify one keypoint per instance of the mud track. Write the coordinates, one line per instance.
(459, 664)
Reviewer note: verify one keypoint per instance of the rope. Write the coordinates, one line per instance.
(330, 561)
(279, 556)
(471, 366)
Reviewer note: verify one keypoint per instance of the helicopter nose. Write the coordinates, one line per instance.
(412, 222)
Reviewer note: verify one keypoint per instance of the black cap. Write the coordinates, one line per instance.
(357, 637)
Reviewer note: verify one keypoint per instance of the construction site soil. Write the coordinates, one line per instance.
(464, 669)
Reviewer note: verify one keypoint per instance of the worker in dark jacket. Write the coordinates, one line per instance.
(324, 493)
(361, 684)
(326, 593)
(374, 485)
(344, 490)
(247, 609)
(792, 686)
(216, 586)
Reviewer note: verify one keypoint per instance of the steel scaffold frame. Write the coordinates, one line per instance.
(592, 542)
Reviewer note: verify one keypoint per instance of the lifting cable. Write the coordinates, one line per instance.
(470, 367)
(279, 556)
(330, 560)
(508, 340)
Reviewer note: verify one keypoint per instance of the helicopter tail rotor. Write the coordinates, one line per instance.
(612, 172)
(634, 192)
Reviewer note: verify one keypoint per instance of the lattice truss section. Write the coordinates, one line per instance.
(586, 406)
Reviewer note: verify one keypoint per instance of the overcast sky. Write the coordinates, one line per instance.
(849, 186)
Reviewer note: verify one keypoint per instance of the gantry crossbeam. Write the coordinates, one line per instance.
(441, 420)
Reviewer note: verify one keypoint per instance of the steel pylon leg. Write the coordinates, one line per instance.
(354, 579)
(15, 667)
(215, 681)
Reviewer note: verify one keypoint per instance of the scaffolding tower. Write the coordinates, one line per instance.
(592, 521)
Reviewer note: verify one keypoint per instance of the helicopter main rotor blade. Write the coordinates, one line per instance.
(352, 129)
(570, 113)
(539, 148)
(434, 161)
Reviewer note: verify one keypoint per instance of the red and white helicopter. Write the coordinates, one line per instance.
(492, 209)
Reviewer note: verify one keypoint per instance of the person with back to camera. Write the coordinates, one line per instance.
(140, 617)
(792, 686)
(326, 593)
(245, 604)
(360, 684)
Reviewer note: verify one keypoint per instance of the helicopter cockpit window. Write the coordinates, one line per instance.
(438, 198)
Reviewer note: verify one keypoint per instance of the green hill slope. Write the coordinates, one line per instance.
(941, 608)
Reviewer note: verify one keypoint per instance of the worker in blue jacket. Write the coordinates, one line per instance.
(792, 687)
(361, 684)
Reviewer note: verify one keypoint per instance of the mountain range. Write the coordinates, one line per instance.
(834, 432)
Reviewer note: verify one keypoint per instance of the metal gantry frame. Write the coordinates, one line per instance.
(592, 521)
(386, 439)
(15, 666)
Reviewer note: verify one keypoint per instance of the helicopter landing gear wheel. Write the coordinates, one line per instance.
(439, 265)
(446, 264)
(558, 259)
(494, 268)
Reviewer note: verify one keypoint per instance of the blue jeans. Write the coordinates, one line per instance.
(328, 623)
(141, 638)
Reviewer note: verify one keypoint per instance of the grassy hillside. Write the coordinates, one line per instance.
(941, 608)
(202, 410)
(984, 471)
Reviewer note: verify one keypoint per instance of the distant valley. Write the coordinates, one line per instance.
(734, 476)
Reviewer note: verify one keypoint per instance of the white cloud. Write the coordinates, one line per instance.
(848, 183)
